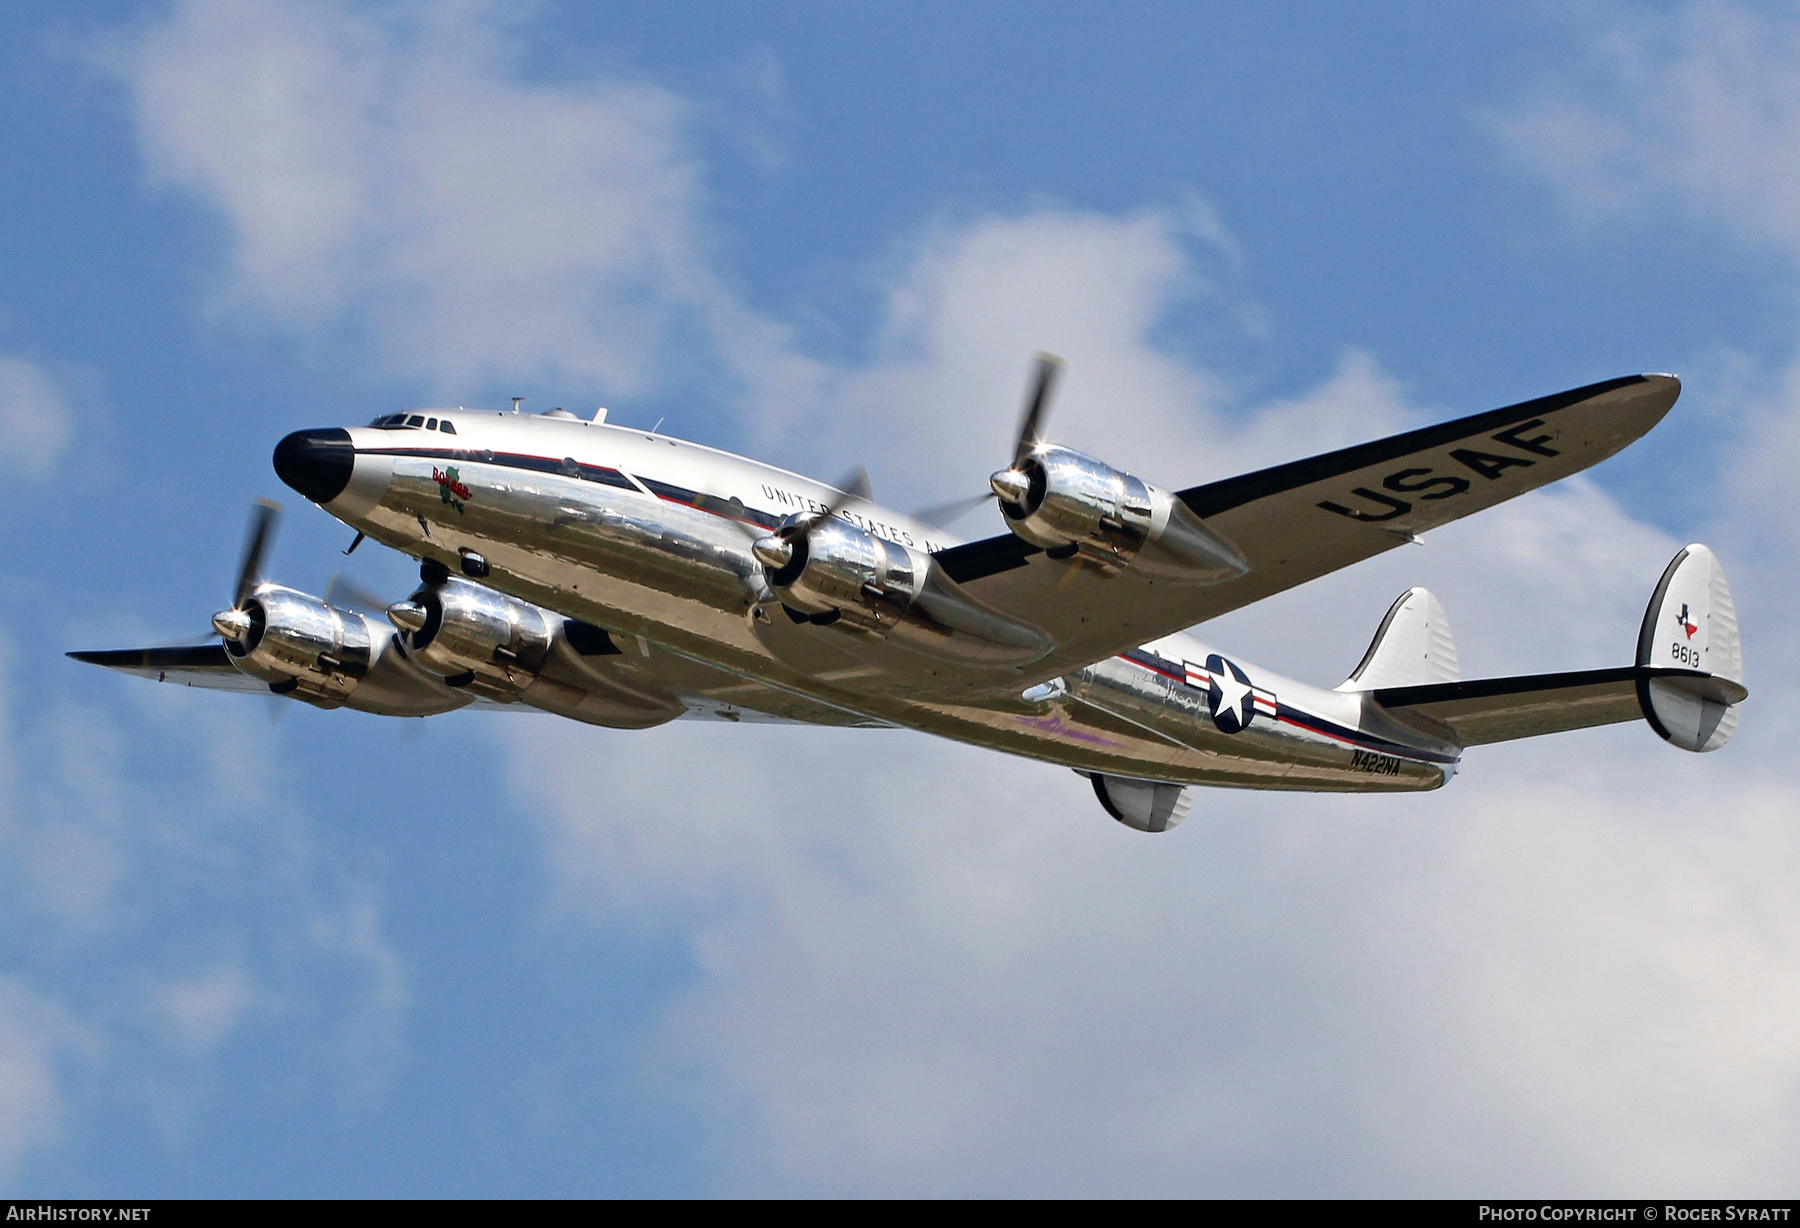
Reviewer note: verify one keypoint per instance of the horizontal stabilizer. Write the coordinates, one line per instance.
(1502, 709)
(1688, 680)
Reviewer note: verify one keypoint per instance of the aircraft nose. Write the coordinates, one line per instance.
(317, 463)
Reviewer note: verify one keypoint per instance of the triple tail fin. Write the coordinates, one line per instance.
(1687, 682)
(1691, 629)
(1412, 647)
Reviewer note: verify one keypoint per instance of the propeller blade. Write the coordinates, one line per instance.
(1049, 366)
(943, 515)
(853, 487)
(263, 518)
(347, 594)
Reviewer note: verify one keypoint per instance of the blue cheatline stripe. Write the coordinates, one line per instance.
(700, 501)
(590, 473)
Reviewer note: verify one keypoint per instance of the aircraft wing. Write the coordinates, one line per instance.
(201, 665)
(207, 666)
(1299, 521)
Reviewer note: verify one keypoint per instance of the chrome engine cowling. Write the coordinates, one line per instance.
(310, 650)
(839, 568)
(474, 637)
(302, 646)
(505, 649)
(840, 575)
(1071, 504)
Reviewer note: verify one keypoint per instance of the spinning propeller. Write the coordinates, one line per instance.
(347, 594)
(234, 624)
(1011, 484)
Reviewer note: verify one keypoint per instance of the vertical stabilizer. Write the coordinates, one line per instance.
(1412, 647)
(1692, 625)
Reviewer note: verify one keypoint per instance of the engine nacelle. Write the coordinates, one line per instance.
(474, 637)
(307, 649)
(839, 568)
(1071, 504)
(515, 652)
(838, 574)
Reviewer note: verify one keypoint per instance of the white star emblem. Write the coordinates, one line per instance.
(1234, 696)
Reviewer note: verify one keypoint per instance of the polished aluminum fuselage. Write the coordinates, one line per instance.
(649, 537)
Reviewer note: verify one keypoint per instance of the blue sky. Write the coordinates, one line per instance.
(509, 958)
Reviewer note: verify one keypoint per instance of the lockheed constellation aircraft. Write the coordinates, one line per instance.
(625, 578)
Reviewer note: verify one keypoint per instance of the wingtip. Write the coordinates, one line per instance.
(1667, 388)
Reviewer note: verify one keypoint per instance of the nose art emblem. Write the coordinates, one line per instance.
(450, 486)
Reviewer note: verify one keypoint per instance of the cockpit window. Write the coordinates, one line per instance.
(396, 422)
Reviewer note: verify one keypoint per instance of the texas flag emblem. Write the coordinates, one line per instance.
(1687, 625)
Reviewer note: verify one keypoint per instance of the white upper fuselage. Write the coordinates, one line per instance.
(649, 537)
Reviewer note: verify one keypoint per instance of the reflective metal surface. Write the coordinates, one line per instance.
(652, 541)
(233, 625)
(1072, 500)
(487, 641)
(1071, 504)
(329, 657)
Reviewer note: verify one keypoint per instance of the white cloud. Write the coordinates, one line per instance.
(389, 170)
(967, 308)
(35, 418)
(197, 1012)
(120, 880)
(36, 1037)
(930, 969)
(1700, 107)
(1699, 110)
